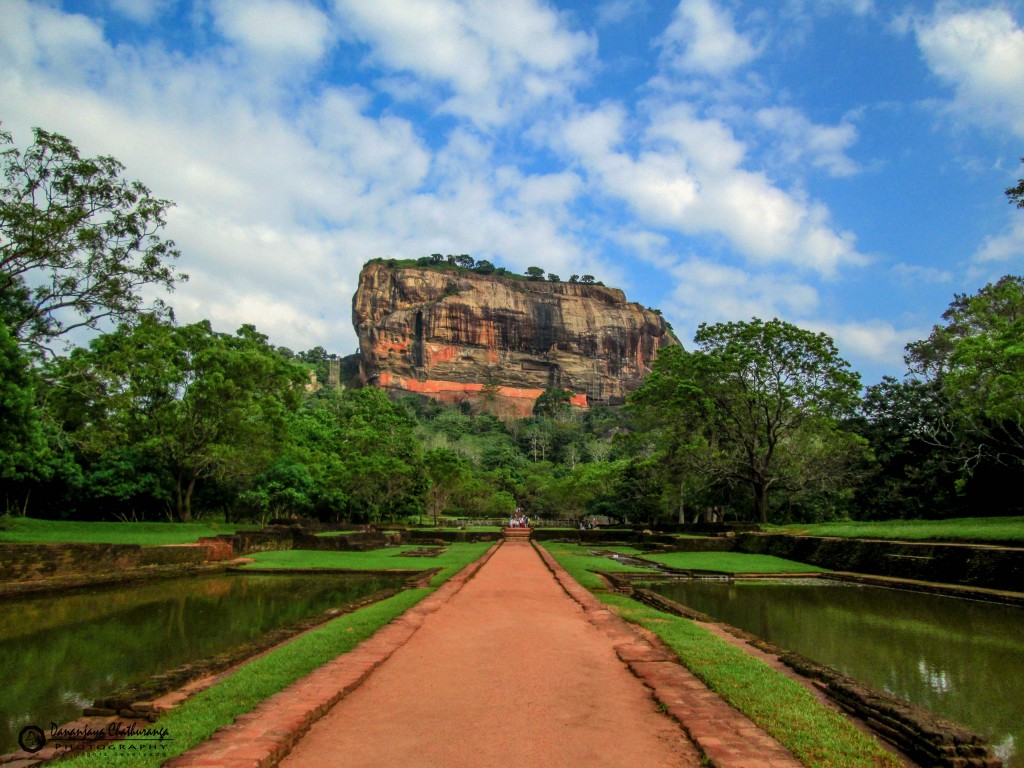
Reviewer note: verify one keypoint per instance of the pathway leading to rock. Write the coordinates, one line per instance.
(518, 665)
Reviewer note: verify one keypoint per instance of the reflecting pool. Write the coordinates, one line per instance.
(959, 658)
(58, 654)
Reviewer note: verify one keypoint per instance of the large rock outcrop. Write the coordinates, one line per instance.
(457, 335)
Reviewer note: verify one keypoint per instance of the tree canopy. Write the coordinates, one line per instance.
(756, 403)
(78, 241)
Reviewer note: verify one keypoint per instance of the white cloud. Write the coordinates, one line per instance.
(915, 274)
(875, 341)
(36, 35)
(981, 54)
(279, 207)
(687, 176)
(140, 11)
(613, 12)
(496, 58)
(274, 28)
(798, 140)
(708, 291)
(1005, 248)
(702, 39)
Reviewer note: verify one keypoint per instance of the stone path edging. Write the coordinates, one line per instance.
(264, 736)
(728, 738)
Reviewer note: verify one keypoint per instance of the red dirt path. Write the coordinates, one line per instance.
(509, 663)
(510, 672)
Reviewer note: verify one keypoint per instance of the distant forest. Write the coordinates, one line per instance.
(757, 420)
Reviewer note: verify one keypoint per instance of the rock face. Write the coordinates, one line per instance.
(457, 335)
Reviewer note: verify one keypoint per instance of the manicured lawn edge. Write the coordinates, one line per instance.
(198, 717)
(993, 530)
(817, 735)
(27, 530)
(732, 562)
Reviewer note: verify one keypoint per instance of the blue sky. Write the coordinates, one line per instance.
(836, 163)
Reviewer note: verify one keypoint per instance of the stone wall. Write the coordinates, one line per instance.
(27, 562)
(26, 567)
(980, 566)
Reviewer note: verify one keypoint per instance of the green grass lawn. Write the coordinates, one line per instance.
(994, 529)
(30, 530)
(451, 560)
(581, 564)
(732, 562)
(819, 736)
(196, 719)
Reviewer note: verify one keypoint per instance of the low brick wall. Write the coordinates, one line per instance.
(413, 536)
(987, 567)
(927, 738)
(29, 562)
(27, 567)
(348, 542)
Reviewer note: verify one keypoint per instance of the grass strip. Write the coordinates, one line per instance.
(197, 718)
(732, 562)
(455, 557)
(31, 531)
(994, 529)
(581, 564)
(817, 735)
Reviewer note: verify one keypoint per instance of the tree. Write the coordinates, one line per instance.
(448, 473)
(553, 278)
(382, 462)
(464, 260)
(78, 242)
(553, 401)
(587, 279)
(1016, 194)
(201, 404)
(484, 267)
(749, 399)
(914, 451)
(534, 273)
(22, 442)
(975, 359)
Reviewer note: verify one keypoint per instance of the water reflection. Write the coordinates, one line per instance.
(59, 654)
(961, 659)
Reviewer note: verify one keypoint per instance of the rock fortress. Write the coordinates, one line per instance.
(459, 336)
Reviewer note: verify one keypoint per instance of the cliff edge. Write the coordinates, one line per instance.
(456, 335)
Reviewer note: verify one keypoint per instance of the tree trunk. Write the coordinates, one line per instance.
(682, 506)
(761, 502)
(183, 498)
(188, 498)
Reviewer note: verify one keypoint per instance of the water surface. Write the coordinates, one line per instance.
(58, 654)
(961, 659)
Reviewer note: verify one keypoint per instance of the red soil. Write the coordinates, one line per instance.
(508, 673)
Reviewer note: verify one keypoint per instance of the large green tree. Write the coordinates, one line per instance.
(756, 403)
(975, 360)
(78, 241)
(382, 461)
(915, 453)
(198, 404)
(449, 476)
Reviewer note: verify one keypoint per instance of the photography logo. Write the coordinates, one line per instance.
(123, 737)
(32, 738)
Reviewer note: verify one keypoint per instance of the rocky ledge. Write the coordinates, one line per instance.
(456, 336)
